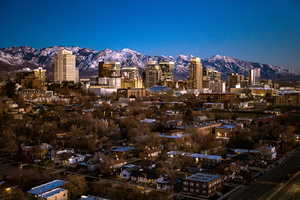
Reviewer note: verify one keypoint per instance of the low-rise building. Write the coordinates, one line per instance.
(163, 183)
(214, 106)
(50, 191)
(288, 98)
(225, 132)
(100, 90)
(198, 157)
(206, 128)
(256, 91)
(144, 176)
(268, 152)
(89, 197)
(132, 92)
(217, 97)
(202, 184)
(74, 159)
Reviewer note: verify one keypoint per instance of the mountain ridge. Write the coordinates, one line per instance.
(87, 60)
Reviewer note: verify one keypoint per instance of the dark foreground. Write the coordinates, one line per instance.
(274, 183)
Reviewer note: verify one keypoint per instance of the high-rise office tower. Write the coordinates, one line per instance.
(212, 80)
(254, 76)
(109, 69)
(223, 87)
(235, 80)
(196, 74)
(109, 74)
(167, 69)
(32, 78)
(40, 73)
(65, 67)
(129, 73)
(211, 74)
(152, 74)
(131, 78)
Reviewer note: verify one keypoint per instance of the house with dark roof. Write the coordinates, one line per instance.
(145, 176)
(163, 183)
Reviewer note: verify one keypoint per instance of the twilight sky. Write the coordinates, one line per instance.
(266, 31)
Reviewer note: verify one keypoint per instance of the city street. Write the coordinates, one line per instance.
(290, 191)
(266, 185)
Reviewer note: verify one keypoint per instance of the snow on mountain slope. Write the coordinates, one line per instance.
(87, 60)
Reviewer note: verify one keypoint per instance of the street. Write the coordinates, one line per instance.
(266, 184)
(290, 191)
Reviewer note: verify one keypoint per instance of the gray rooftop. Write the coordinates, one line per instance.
(201, 177)
(122, 149)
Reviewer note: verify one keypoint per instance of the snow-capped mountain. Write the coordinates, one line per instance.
(87, 60)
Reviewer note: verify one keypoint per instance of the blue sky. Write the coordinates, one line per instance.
(266, 31)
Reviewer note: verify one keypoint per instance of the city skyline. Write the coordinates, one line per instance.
(257, 31)
(149, 99)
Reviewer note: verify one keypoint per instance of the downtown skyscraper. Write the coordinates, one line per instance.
(254, 76)
(196, 74)
(65, 67)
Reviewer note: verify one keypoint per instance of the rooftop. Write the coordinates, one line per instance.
(210, 157)
(83, 197)
(195, 155)
(245, 151)
(203, 177)
(146, 120)
(46, 187)
(51, 193)
(227, 126)
(159, 88)
(177, 136)
(122, 149)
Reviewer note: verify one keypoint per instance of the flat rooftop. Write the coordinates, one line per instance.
(201, 177)
(177, 136)
(227, 126)
(122, 149)
(204, 156)
(245, 151)
(196, 155)
(46, 187)
(83, 197)
(51, 193)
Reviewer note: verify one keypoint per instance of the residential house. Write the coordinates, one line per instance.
(75, 159)
(145, 176)
(127, 171)
(163, 183)
(268, 152)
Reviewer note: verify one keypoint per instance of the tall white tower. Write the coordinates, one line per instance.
(65, 67)
(254, 76)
